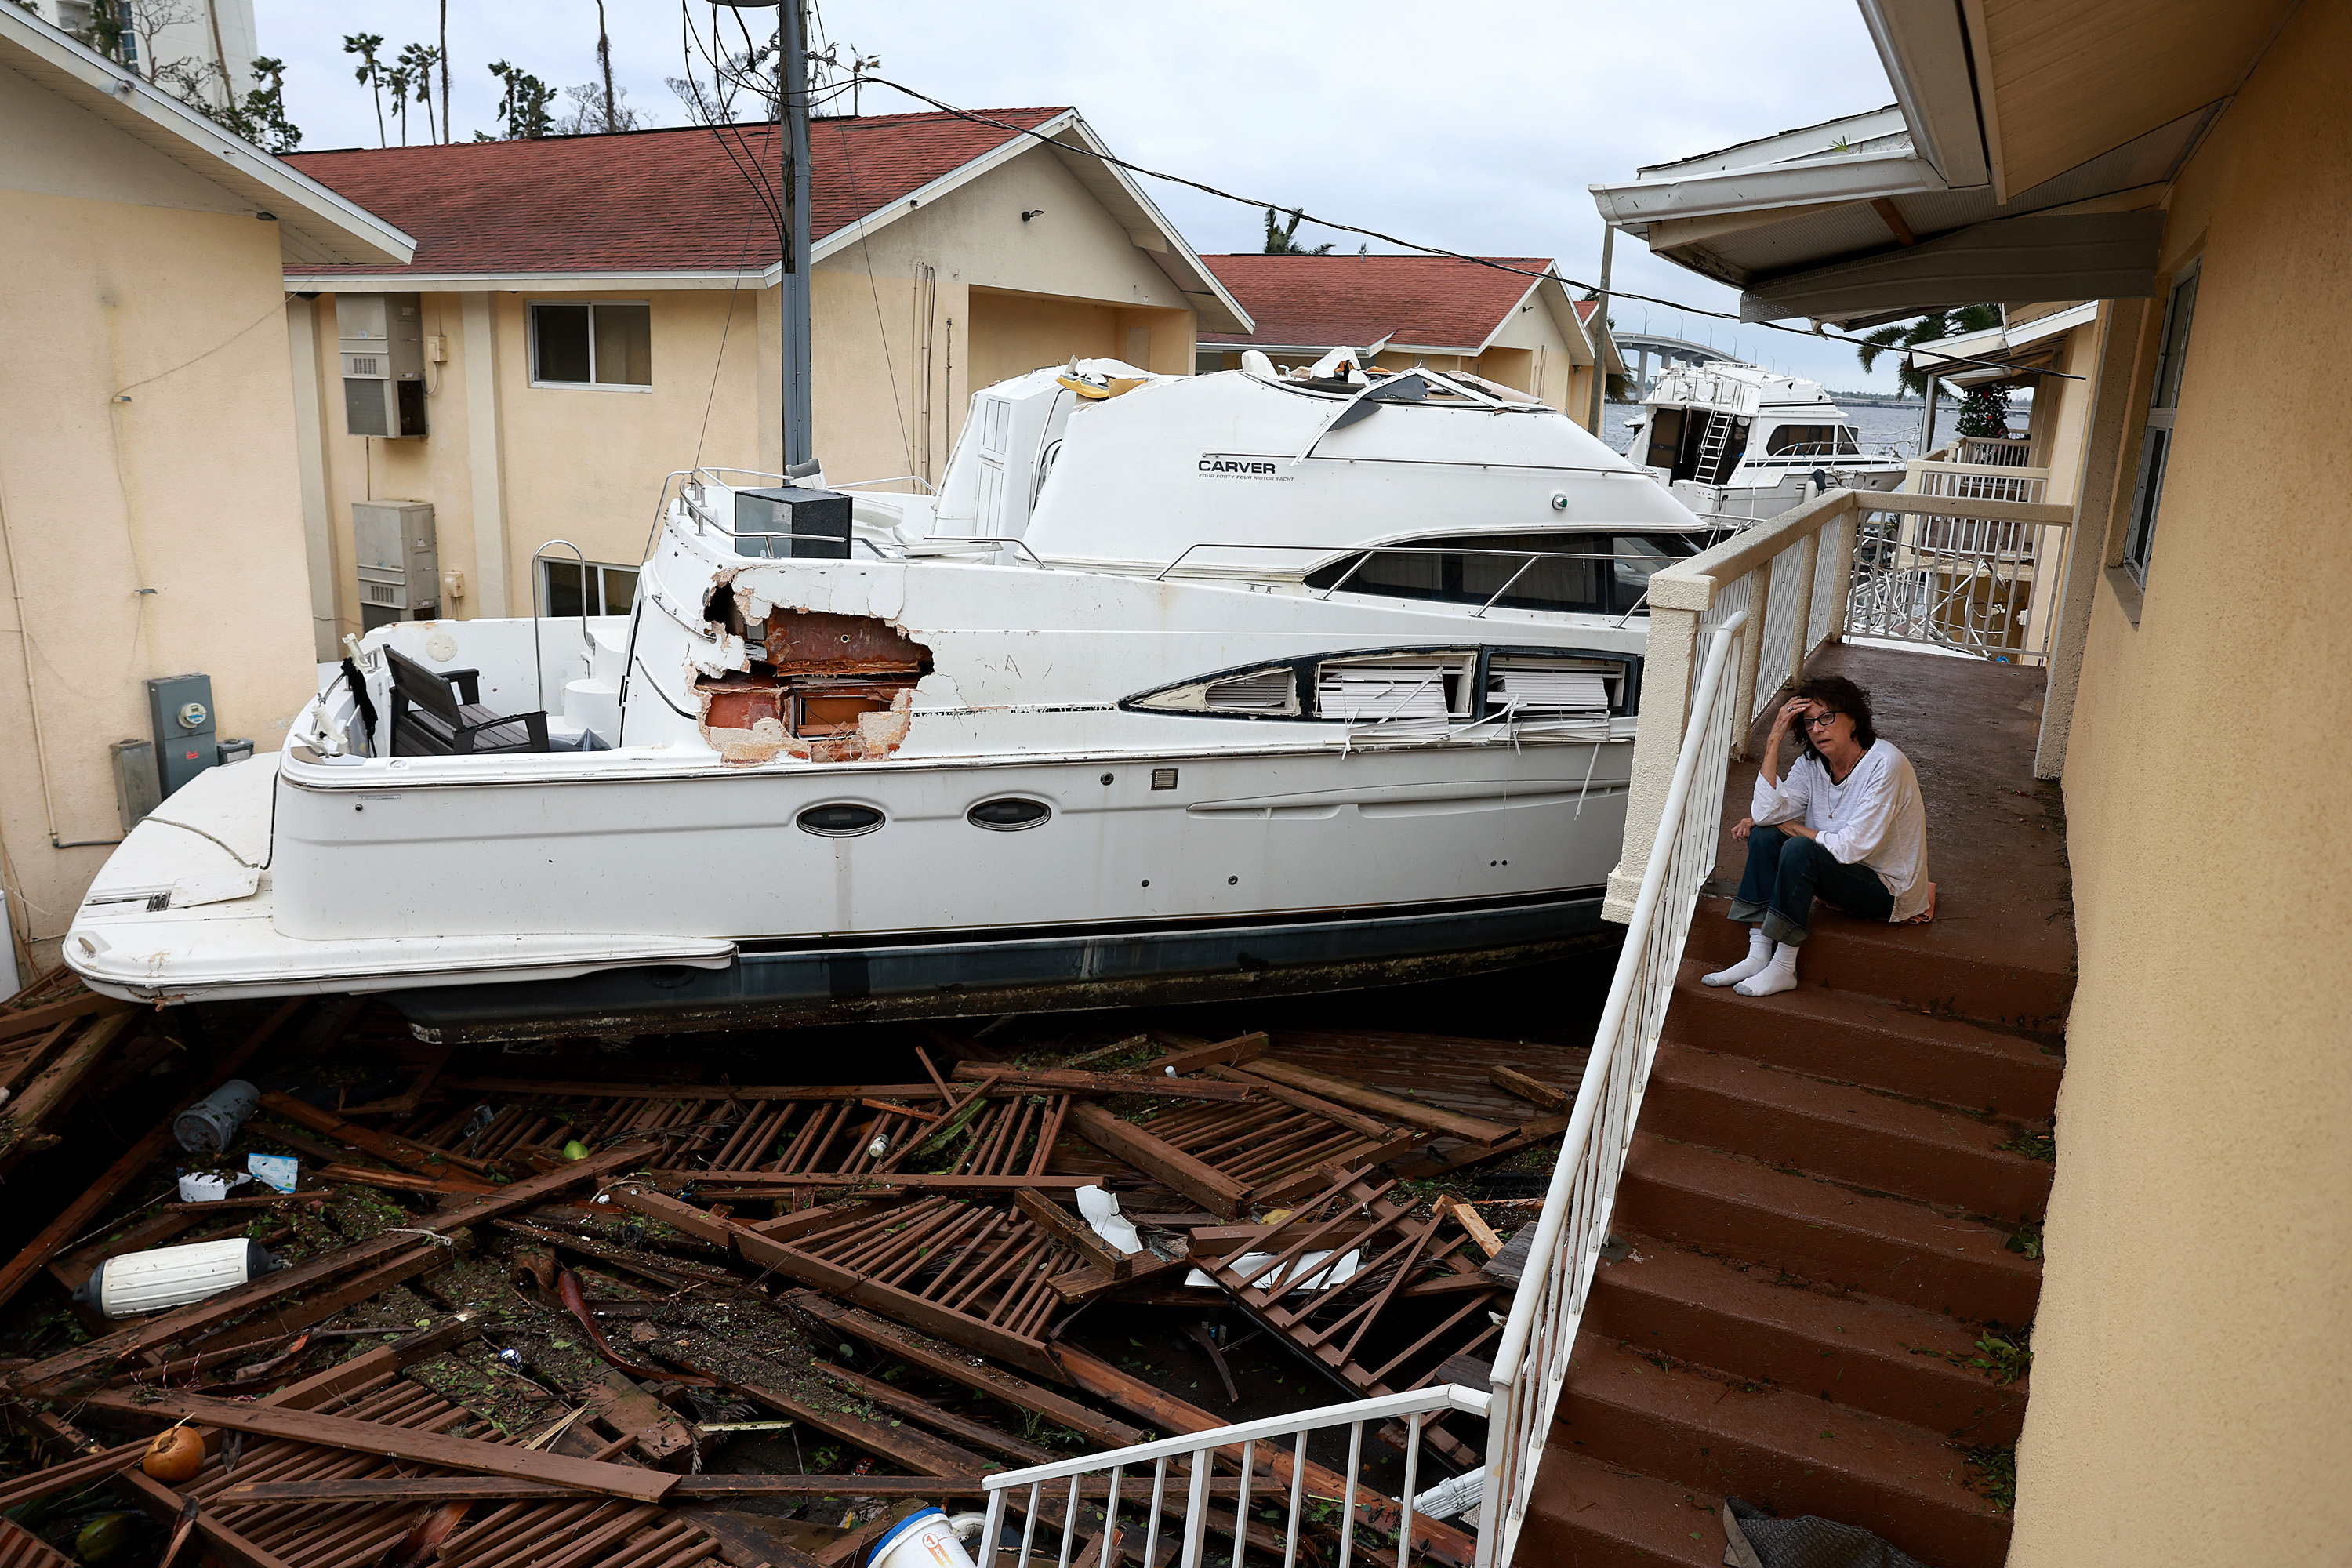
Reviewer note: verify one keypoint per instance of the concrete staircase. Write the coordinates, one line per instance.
(1812, 1234)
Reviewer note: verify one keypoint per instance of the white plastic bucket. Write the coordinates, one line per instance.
(926, 1539)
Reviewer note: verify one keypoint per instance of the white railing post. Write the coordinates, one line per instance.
(1801, 625)
(1751, 653)
(1666, 661)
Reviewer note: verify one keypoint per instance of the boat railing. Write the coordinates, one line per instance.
(587, 642)
(1123, 1499)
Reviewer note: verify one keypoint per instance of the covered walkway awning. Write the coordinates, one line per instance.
(2026, 158)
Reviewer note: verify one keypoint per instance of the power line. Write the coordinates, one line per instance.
(1816, 332)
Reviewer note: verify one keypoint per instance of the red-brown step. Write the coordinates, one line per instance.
(1869, 1041)
(1841, 1132)
(1786, 1451)
(1586, 1514)
(1892, 1247)
(1883, 1357)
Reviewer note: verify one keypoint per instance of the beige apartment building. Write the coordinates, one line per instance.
(150, 508)
(588, 314)
(1510, 320)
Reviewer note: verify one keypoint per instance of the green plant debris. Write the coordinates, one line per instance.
(2028, 1239)
(1992, 1476)
(2043, 1146)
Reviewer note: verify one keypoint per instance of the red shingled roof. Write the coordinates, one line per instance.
(1324, 301)
(641, 201)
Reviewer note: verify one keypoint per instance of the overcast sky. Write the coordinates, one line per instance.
(1470, 124)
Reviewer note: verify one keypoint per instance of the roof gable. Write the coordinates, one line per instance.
(691, 199)
(1419, 301)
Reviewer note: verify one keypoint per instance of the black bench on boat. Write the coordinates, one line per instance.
(439, 713)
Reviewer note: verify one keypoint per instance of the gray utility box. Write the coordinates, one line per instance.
(136, 791)
(811, 525)
(399, 558)
(186, 739)
(380, 338)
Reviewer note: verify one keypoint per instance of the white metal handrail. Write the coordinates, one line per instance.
(1120, 1500)
(1539, 1335)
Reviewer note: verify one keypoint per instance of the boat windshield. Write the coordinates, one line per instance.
(1810, 441)
(1587, 573)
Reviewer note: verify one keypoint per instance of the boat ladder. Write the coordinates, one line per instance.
(1711, 448)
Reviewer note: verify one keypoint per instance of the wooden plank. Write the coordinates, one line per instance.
(74, 1218)
(32, 1021)
(756, 1183)
(1224, 1052)
(1364, 1097)
(183, 1322)
(549, 1089)
(1510, 1080)
(1074, 1234)
(1203, 1183)
(374, 1489)
(159, 1502)
(904, 1445)
(957, 1366)
(1468, 1219)
(1431, 1163)
(1299, 1099)
(656, 1434)
(1061, 1080)
(890, 1396)
(386, 1146)
(631, 1481)
(58, 1085)
(402, 1181)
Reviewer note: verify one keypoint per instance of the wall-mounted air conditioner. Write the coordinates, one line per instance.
(399, 559)
(380, 338)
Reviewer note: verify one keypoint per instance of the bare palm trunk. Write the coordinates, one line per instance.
(220, 55)
(604, 63)
(445, 70)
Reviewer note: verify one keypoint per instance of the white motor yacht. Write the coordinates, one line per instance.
(1737, 441)
(1181, 688)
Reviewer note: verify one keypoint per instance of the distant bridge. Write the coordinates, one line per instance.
(1647, 356)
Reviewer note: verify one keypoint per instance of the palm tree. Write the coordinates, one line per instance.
(1933, 327)
(370, 73)
(418, 61)
(1281, 239)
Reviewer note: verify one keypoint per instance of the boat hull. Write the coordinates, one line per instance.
(1108, 967)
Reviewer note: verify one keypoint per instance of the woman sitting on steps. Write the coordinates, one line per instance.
(1846, 825)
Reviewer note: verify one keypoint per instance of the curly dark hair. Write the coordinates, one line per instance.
(1839, 695)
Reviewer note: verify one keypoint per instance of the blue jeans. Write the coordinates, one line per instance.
(1787, 871)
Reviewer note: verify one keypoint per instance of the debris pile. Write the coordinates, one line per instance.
(356, 1303)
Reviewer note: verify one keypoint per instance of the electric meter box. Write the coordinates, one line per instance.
(793, 521)
(399, 557)
(180, 707)
(379, 338)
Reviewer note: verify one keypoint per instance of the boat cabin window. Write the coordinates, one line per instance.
(1586, 573)
(1810, 441)
(1417, 687)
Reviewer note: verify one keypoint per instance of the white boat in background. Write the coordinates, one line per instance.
(1737, 441)
(1182, 688)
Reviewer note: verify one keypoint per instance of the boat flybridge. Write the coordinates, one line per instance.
(1181, 687)
(1737, 441)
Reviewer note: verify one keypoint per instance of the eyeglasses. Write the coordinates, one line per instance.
(1818, 720)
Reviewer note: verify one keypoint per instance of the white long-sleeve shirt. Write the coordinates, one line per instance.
(1875, 817)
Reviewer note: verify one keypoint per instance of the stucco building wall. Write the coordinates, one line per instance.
(147, 479)
(2191, 1366)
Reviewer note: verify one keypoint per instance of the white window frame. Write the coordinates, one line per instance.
(547, 581)
(530, 329)
(2155, 453)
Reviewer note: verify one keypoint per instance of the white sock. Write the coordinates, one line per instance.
(1759, 954)
(1779, 974)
